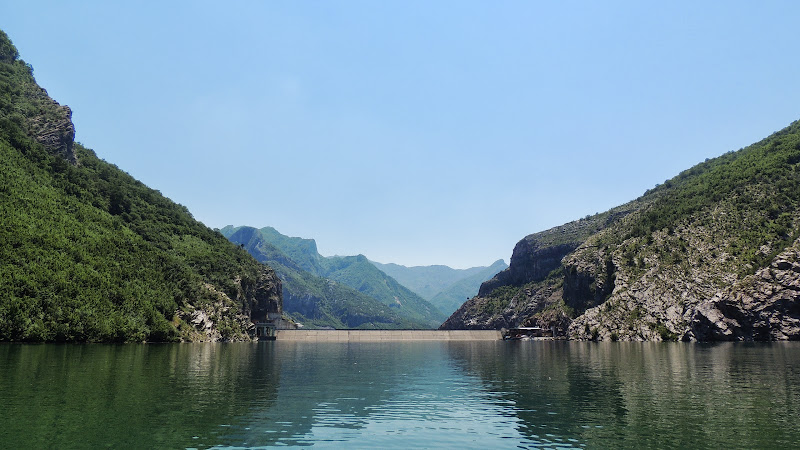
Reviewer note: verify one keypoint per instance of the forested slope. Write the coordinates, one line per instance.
(316, 301)
(87, 253)
(356, 272)
(446, 288)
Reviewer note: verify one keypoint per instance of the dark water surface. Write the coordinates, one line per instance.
(401, 394)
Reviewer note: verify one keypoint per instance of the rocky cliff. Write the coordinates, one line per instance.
(764, 306)
(27, 104)
(223, 318)
(530, 292)
(709, 255)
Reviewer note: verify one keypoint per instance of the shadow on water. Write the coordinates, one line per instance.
(130, 396)
(652, 395)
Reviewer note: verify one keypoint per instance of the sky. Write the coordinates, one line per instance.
(413, 132)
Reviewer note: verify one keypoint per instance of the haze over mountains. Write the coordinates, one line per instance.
(88, 253)
(94, 255)
(351, 291)
(445, 287)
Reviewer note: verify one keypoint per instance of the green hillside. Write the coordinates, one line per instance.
(87, 253)
(708, 254)
(302, 252)
(356, 272)
(445, 287)
(426, 281)
(316, 301)
(453, 296)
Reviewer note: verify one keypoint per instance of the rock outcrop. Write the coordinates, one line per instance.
(52, 126)
(531, 260)
(711, 254)
(531, 291)
(29, 105)
(222, 318)
(263, 300)
(764, 306)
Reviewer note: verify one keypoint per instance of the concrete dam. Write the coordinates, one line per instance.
(387, 335)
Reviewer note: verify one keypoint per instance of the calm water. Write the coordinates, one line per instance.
(405, 394)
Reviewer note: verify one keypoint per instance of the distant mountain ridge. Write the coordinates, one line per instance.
(316, 301)
(445, 287)
(406, 309)
(451, 298)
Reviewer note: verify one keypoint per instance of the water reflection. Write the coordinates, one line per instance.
(646, 394)
(130, 396)
(413, 394)
(377, 394)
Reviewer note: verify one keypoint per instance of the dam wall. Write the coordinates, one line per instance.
(387, 335)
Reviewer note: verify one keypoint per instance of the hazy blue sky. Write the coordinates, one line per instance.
(429, 132)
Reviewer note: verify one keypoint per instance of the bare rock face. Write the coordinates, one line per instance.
(764, 306)
(53, 127)
(265, 298)
(222, 318)
(530, 261)
(697, 303)
(588, 281)
(527, 280)
(640, 291)
(42, 118)
(693, 259)
(47, 122)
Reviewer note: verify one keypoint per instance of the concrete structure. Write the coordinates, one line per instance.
(529, 332)
(387, 335)
(265, 331)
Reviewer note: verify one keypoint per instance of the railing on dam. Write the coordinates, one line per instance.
(387, 335)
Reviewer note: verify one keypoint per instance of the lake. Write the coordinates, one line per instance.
(401, 394)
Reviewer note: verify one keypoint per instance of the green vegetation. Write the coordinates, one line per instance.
(302, 252)
(664, 332)
(444, 287)
(87, 253)
(501, 298)
(338, 292)
(358, 273)
(679, 244)
(758, 186)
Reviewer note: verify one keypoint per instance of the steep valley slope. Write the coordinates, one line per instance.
(338, 291)
(89, 254)
(711, 254)
(446, 288)
(318, 302)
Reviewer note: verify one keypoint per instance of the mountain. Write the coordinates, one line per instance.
(410, 310)
(445, 287)
(316, 301)
(452, 297)
(711, 254)
(88, 253)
